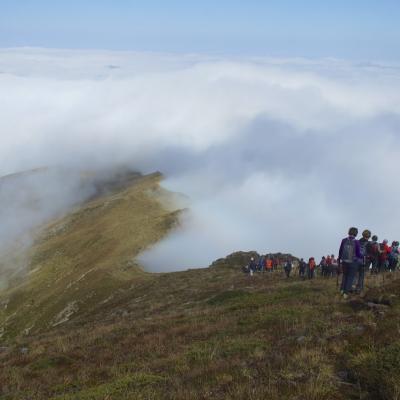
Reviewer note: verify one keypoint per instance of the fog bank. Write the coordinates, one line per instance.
(275, 154)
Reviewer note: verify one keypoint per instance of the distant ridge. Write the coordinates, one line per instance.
(79, 260)
(242, 258)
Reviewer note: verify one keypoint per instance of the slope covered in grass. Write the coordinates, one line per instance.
(217, 334)
(80, 260)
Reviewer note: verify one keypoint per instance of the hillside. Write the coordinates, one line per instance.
(87, 323)
(216, 333)
(80, 260)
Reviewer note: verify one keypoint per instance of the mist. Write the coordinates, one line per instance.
(274, 154)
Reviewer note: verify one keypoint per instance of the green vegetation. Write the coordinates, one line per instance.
(80, 260)
(216, 333)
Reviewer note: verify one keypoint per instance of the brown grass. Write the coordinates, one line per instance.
(217, 334)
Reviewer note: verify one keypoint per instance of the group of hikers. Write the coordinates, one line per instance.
(356, 257)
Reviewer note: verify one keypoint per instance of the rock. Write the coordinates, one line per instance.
(343, 375)
(375, 306)
(359, 330)
(301, 339)
(66, 313)
(381, 313)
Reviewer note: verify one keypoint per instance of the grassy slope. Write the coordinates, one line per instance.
(217, 334)
(85, 257)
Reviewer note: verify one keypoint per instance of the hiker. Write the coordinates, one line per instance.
(364, 264)
(373, 254)
(334, 265)
(328, 266)
(393, 256)
(384, 251)
(288, 268)
(322, 266)
(268, 265)
(349, 258)
(311, 267)
(252, 266)
(302, 268)
(261, 264)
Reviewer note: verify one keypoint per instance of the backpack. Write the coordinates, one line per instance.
(394, 253)
(373, 249)
(348, 250)
(382, 252)
(364, 246)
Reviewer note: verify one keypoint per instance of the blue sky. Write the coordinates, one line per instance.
(358, 29)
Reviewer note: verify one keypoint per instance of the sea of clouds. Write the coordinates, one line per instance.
(274, 154)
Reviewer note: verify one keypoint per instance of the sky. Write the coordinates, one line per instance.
(279, 121)
(366, 30)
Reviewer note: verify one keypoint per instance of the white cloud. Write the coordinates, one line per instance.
(275, 154)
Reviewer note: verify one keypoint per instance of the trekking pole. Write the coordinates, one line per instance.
(337, 275)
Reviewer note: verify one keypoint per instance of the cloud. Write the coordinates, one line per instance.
(275, 154)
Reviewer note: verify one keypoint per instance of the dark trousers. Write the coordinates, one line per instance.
(361, 276)
(374, 269)
(349, 274)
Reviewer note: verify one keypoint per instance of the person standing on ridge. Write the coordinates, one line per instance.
(364, 244)
(252, 266)
(322, 266)
(334, 268)
(311, 267)
(349, 258)
(373, 253)
(275, 263)
(288, 268)
(261, 263)
(394, 256)
(328, 266)
(302, 268)
(268, 264)
(384, 251)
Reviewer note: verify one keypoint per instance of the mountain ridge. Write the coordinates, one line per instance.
(80, 259)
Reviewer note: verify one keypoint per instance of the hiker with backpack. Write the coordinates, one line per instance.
(311, 267)
(373, 254)
(349, 258)
(364, 264)
(288, 268)
(393, 256)
(252, 266)
(322, 266)
(302, 268)
(384, 251)
(328, 266)
(261, 264)
(268, 264)
(334, 266)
